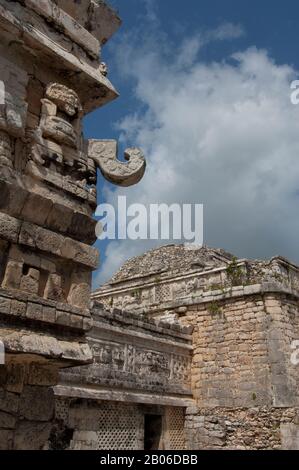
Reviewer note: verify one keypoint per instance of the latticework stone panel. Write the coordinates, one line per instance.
(62, 409)
(119, 428)
(110, 426)
(175, 420)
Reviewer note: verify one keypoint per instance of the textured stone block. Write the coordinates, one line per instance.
(37, 403)
(31, 435)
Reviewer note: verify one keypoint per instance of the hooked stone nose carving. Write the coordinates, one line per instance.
(104, 153)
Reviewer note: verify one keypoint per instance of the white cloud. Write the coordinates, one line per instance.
(222, 134)
(227, 31)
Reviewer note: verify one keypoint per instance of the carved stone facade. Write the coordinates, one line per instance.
(245, 318)
(184, 348)
(52, 76)
(141, 369)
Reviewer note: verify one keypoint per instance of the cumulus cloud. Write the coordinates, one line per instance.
(224, 134)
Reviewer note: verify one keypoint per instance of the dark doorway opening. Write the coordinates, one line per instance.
(152, 431)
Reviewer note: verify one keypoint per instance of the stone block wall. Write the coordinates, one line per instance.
(245, 318)
(243, 379)
(27, 405)
(248, 428)
(51, 76)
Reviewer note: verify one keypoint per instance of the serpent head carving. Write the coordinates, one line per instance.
(104, 153)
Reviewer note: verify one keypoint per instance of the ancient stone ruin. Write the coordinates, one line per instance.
(245, 318)
(52, 76)
(183, 349)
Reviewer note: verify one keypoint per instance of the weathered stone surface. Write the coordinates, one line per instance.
(73, 29)
(53, 289)
(6, 439)
(7, 421)
(104, 153)
(9, 228)
(37, 403)
(244, 316)
(31, 435)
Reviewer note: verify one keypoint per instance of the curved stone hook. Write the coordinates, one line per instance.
(104, 153)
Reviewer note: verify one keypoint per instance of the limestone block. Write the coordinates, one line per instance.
(79, 294)
(15, 377)
(13, 275)
(60, 218)
(45, 240)
(37, 403)
(42, 375)
(9, 402)
(12, 198)
(104, 154)
(5, 148)
(49, 314)
(30, 281)
(31, 435)
(37, 237)
(76, 321)
(13, 114)
(6, 439)
(60, 130)
(96, 88)
(18, 308)
(101, 20)
(83, 227)
(62, 317)
(34, 311)
(36, 209)
(7, 421)
(80, 253)
(9, 227)
(53, 289)
(87, 324)
(70, 27)
(290, 436)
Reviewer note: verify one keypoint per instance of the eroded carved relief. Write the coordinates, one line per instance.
(151, 363)
(56, 148)
(5, 149)
(104, 153)
(110, 355)
(180, 369)
(143, 363)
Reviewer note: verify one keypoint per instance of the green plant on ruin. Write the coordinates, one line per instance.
(220, 287)
(111, 300)
(253, 396)
(216, 287)
(214, 308)
(235, 273)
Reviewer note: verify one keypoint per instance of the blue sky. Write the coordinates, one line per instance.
(246, 179)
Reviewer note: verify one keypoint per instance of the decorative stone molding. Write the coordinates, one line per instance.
(104, 154)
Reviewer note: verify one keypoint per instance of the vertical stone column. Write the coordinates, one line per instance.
(52, 76)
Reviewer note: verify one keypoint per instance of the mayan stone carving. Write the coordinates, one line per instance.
(104, 153)
(52, 76)
(244, 375)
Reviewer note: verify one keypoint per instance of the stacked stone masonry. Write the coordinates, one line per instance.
(245, 319)
(184, 347)
(51, 76)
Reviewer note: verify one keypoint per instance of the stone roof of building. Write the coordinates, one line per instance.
(174, 259)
